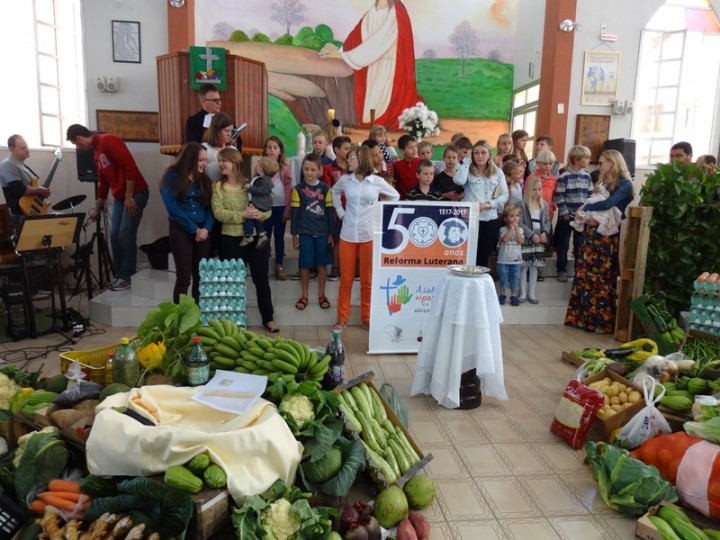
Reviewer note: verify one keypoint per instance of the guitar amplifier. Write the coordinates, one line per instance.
(15, 312)
(86, 169)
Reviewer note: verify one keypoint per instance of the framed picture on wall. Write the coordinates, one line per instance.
(592, 130)
(126, 42)
(600, 78)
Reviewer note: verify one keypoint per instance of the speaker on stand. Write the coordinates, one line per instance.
(627, 148)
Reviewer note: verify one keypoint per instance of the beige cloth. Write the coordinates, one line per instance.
(254, 449)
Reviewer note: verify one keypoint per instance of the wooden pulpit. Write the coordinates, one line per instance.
(245, 100)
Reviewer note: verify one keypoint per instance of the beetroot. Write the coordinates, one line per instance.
(347, 519)
(372, 526)
(360, 533)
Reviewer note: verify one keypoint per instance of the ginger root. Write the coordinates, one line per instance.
(50, 523)
(136, 533)
(72, 530)
(122, 527)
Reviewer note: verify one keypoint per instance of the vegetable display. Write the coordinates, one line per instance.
(626, 484)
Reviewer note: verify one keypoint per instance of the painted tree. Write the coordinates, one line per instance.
(465, 41)
(429, 54)
(288, 12)
(222, 31)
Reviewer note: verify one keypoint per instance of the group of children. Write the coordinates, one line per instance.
(534, 191)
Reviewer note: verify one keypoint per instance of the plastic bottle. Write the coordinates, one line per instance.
(125, 364)
(109, 367)
(300, 143)
(197, 367)
(336, 369)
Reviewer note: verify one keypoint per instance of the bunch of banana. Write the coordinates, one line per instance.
(231, 348)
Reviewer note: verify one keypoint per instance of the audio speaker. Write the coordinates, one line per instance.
(86, 169)
(627, 148)
(100, 83)
(113, 84)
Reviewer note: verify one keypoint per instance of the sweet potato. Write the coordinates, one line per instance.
(406, 531)
(421, 525)
(64, 418)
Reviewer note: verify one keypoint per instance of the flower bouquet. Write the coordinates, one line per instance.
(419, 121)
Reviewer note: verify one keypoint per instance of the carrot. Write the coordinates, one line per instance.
(62, 499)
(64, 485)
(38, 506)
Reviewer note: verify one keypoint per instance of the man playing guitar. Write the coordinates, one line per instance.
(16, 177)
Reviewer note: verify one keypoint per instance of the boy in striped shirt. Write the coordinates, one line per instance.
(573, 188)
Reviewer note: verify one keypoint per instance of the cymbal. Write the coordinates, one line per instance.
(69, 202)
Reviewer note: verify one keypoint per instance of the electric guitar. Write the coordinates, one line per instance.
(36, 205)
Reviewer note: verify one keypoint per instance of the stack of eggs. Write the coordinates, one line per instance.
(222, 290)
(705, 301)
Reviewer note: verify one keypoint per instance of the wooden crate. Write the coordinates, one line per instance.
(375, 476)
(632, 270)
(606, 427)
(572, 360)
(211, 513)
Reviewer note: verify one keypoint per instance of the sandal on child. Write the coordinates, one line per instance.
(324, 302)
(302, 303)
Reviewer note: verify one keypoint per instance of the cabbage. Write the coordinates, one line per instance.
(324, 468)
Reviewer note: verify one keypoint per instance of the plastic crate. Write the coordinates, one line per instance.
(92, 362)
(639, 308)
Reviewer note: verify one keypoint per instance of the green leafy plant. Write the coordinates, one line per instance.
(683, 229)
(175, 325)
(625, 483)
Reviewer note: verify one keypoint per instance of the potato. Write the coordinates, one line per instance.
(607, 380)
(610, 413)
(634, 396)
(612, 391)
(623, 397)
(616, 407)
(614, 401)
(627, 404)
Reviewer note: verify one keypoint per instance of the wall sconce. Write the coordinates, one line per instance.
(567, 25)
(177, 3)
(107, 84)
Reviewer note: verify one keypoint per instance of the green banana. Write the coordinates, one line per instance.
(284, 366)
(218, 327)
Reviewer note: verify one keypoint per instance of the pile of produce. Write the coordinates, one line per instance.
(618, 396)
(385, 443)
(195, 474)
(233, 348)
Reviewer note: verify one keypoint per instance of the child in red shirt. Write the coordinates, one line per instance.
(406, 168)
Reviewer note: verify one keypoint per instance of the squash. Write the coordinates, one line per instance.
(214, 476)
(198, 464)
(179, 477)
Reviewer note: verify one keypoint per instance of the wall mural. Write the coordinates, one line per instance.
(369, 60)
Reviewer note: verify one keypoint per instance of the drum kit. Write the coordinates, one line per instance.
(69, 204)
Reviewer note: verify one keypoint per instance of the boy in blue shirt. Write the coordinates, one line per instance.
(311, 228)
(573, 188)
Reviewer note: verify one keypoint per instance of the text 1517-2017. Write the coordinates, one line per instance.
(456, 212)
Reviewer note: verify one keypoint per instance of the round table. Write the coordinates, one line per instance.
(462, 333)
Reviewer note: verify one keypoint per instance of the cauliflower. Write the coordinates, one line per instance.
(299, 407)
(280, 521)
(23, 440)
(7, 390)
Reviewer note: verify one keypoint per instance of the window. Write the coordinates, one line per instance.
(525, 106)
(46, 91)
(677, 80)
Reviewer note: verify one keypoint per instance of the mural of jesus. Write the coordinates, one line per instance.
(381, 51)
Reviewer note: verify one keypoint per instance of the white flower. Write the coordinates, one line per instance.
(419, 121)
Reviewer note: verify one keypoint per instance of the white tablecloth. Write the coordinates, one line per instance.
(463, 333)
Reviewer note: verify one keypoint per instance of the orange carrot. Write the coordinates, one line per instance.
(64, 485)
(62, 499)
(38, 506)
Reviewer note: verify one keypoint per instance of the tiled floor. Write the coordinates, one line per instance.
(500, 473)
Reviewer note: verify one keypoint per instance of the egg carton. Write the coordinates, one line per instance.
(705, 300)
(707, 288)
(237, 317)
(223, 290)
(217, 271)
